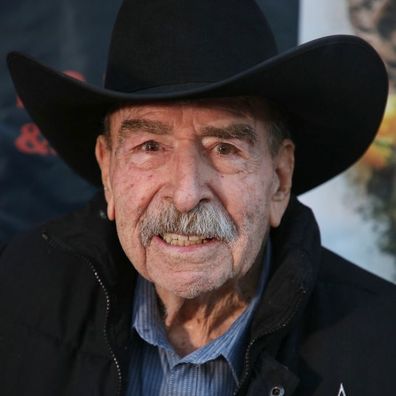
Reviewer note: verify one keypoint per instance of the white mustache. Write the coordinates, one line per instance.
(205, 220)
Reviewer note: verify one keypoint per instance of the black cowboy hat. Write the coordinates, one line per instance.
(335, 88)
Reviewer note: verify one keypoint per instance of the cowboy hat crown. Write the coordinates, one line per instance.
(169, 45)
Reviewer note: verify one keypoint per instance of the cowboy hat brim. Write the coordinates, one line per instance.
(335, 88)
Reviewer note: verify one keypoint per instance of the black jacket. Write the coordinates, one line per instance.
(65, 307)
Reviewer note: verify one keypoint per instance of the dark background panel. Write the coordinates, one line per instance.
(69, 35)
(283, 16)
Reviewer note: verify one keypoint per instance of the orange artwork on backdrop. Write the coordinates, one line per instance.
(31, 141)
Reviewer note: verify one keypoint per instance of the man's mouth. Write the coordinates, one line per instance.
(184, 240)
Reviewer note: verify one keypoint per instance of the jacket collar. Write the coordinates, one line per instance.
(295, 263)
(296, 255)
(90, 234)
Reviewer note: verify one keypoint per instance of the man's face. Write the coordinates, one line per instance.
(177, 157)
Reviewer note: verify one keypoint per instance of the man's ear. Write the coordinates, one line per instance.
(282, 183)
(103, 156)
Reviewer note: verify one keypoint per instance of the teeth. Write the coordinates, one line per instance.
(183, 240)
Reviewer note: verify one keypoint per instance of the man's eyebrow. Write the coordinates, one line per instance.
(234, 131)
(140, 124)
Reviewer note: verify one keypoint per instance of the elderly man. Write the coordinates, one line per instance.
(198, 272)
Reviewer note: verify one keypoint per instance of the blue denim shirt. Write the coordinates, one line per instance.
(214, 369)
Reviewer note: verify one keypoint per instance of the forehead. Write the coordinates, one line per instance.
(251, 109)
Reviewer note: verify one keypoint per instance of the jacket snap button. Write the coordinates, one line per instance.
(102, 215)
(277, 391)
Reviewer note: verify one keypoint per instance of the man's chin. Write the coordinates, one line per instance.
(189, 271)
(189, 286)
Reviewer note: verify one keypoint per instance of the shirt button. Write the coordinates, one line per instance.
(277, 391)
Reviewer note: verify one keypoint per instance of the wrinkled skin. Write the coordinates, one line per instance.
(173, 156)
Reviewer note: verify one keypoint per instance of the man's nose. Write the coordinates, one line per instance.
(190, 178)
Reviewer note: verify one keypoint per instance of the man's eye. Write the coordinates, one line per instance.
(225, 149)
(150, 145)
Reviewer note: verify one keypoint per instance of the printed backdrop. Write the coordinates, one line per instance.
(356, 211)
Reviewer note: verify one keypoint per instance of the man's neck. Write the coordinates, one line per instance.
(192, 323)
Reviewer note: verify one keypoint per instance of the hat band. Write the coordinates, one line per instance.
(172, 88)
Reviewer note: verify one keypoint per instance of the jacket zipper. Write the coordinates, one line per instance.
(108, 305)
(282, 324)
(63, 246)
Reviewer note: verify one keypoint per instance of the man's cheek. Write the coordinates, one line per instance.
(253, 210)
(130, 242)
